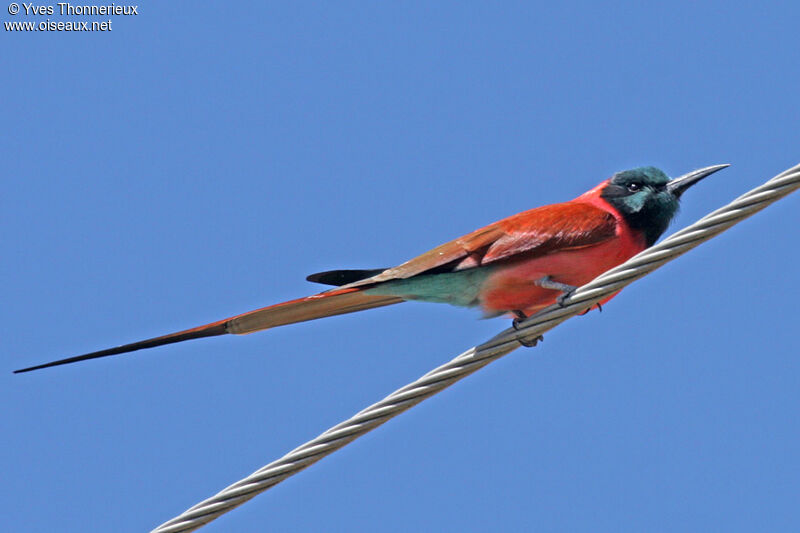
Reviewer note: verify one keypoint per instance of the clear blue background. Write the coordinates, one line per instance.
(199, 160)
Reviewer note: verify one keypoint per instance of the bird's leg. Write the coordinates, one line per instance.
(519, 317)
(566, 291)
(547, 283)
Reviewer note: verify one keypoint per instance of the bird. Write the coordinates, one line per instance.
(515, 266)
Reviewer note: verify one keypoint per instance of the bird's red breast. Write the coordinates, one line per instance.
(579, 240)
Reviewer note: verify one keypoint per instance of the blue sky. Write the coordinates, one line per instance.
(200, 160)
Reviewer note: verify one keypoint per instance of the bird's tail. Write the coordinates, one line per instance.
(328, 303)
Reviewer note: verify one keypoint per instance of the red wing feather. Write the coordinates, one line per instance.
(537, 231)
(459, 249)
(552, 227)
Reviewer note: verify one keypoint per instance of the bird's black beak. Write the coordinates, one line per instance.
(680, 184)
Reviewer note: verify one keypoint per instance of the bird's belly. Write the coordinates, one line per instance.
(511, 287)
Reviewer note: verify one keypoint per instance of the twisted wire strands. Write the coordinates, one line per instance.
(477, 357)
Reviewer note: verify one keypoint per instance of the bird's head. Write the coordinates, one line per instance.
(648, 199)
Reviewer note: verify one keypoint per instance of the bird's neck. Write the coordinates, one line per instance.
(625, 227)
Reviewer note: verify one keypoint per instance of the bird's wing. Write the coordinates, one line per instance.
(553, 227)
(537, 231)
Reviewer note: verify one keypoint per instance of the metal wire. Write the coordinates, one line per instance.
(475, 358)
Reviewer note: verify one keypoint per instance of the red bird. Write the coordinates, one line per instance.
(516, 266)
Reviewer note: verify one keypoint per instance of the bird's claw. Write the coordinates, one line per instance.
(560, 300)
(531, 343)
(599, 308)
(526, 343)
(566, 293)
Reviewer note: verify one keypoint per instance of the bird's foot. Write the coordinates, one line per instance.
(564, 295)
(519, 317)
(531, 343)
(566, 290)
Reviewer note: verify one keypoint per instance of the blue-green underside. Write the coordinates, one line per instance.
(460, 288)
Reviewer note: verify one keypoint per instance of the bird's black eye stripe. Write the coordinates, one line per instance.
(635, 186)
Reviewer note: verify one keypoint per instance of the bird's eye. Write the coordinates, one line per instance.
(635, 186)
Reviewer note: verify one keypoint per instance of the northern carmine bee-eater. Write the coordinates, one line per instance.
(516, 266)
